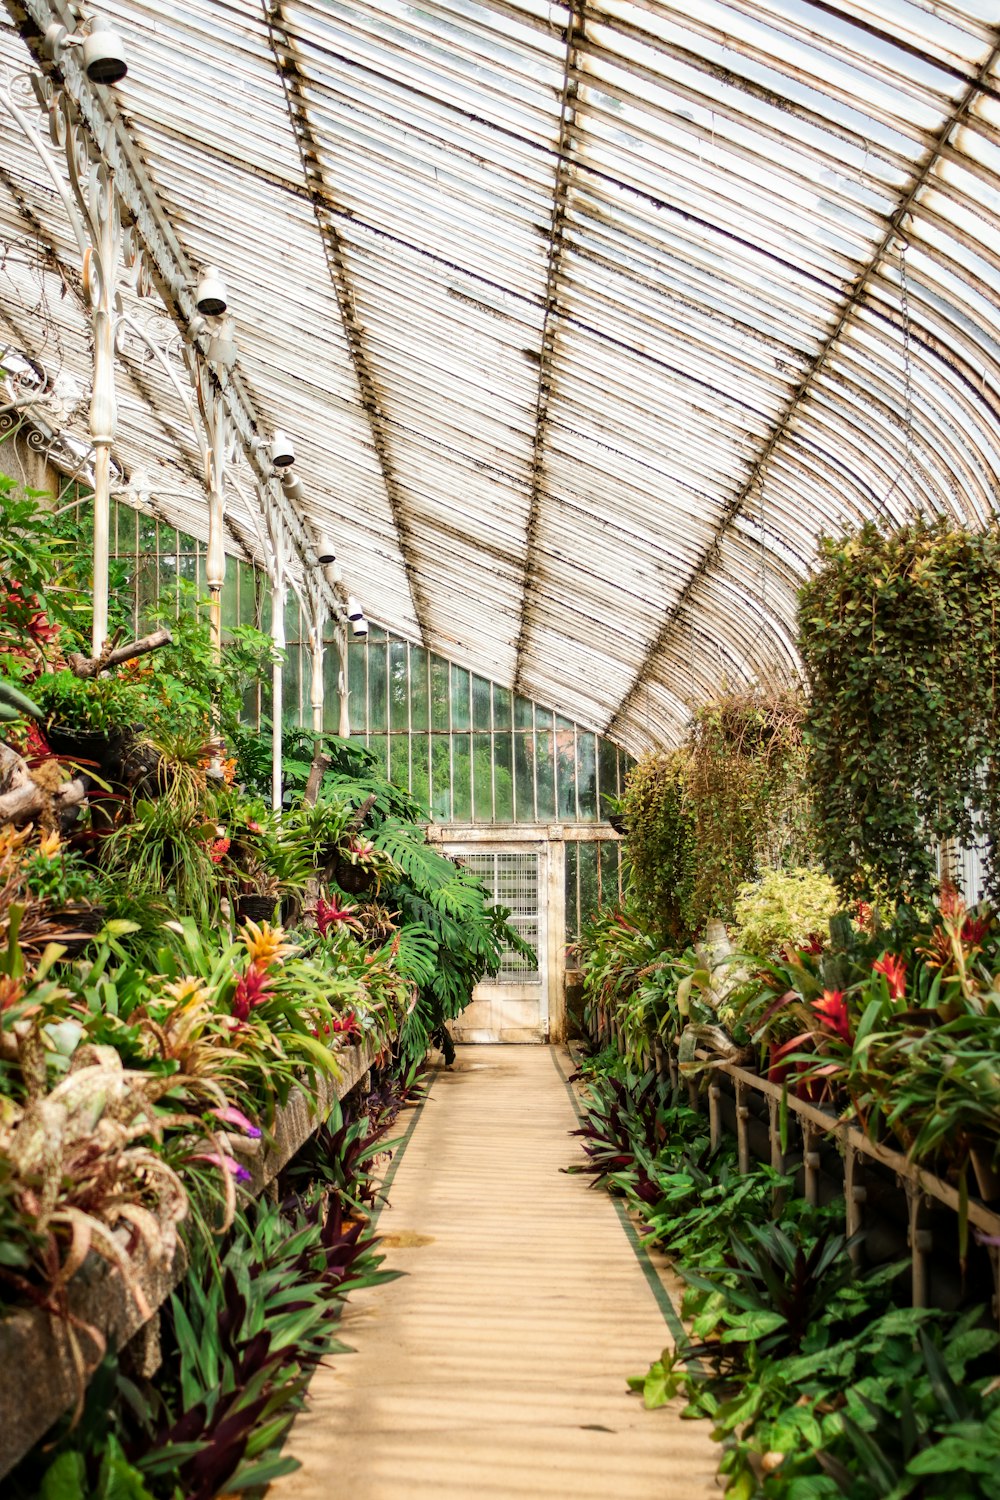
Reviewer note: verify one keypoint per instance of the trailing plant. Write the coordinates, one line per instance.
(660, 832)
(898, 633)
(745, 778)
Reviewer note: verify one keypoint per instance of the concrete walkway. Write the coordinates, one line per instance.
(497, 1367)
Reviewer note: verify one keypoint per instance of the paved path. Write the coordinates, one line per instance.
(497, 1366)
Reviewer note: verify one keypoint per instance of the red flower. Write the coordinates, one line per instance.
(894, 969)
(864, 913)
(346, 1024)
(831, 1008)
(252, 989)
(328, 912)
(219, 850)
(974, 929)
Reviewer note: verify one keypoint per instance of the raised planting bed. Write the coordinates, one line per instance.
(816, 1126)
(40, 1376)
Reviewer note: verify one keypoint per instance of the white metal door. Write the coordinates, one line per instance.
(513, 1007)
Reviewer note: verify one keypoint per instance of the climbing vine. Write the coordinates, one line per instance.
(898, 632)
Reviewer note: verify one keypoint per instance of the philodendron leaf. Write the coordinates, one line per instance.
(65, 1479)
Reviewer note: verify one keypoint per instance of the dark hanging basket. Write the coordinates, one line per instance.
(617, 821)
(354, 879)
(101, 749)
(82, 923)
(256, 909)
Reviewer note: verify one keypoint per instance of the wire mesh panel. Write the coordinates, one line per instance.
(512, 880)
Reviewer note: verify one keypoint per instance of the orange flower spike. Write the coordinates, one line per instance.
(894, 969)
(265, 944)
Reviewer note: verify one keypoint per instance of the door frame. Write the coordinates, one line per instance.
(548, 842)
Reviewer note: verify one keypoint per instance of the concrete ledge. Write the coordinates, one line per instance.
(38, 1371)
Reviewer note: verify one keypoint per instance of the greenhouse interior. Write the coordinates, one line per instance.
(499, 749)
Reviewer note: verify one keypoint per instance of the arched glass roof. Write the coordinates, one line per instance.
(587, 319)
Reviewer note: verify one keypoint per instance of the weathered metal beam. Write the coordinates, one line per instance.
(169, 264)
(669, 629)
(575, 36)
(325, 208)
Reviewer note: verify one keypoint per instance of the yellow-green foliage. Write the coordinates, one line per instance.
(783, 907)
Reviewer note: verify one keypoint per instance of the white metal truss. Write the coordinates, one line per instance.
(589, 318)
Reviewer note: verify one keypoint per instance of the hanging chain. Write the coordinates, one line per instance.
(907, 462)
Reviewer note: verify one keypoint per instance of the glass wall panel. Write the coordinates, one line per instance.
(503, 778)
(586, 776)
(566, 770)
(291, 685)
(545, 776)
(501, 707)
(607, 773)
(480, 703)
(357, 662)
(416, 710)
(572, 894)
(461, 716)
(524, 778)
(147, 590)
(482, 780)
(399, 688)
(418, 689)
(610, 894)
(461, 752)
(420, 770)
(589, 893)
(399, 759)
(230, 599)
(331, 687)
(441, 777)
(378, 708)
(440, 695)
(379, 746)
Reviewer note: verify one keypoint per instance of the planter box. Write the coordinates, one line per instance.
(37, 1375)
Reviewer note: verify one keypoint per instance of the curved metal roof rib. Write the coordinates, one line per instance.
(587, 318)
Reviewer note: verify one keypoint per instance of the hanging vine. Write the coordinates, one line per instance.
(898, 632)
(704, 819)
(746, 784)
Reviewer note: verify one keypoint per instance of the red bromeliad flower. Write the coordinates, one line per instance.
(864, 913)
(974, 929)
(328, 912)
(894, 969)
(831, 1008)
(252, 989)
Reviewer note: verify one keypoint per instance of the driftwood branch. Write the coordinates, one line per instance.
(113, 656)
(359, 815)
(318, 769)
(22, 798)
